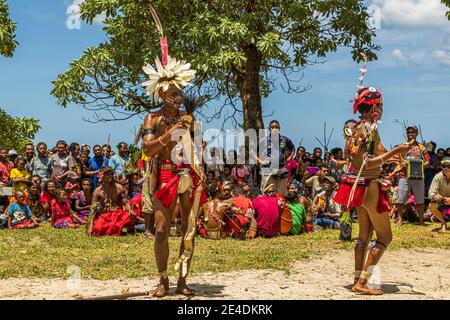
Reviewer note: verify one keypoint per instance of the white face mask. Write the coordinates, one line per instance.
(275, 131)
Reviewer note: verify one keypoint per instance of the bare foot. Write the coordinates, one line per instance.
(185, 290)
(161, 289)
(359, 288)
(148, 234)
(399, 221)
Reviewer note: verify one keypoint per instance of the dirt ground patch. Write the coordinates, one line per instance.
(403, 274)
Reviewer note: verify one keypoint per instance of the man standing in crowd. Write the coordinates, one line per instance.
(96, 163)
(42, 165)
(62, 163)
(117, 161)
(414, 185)
(29, 153)
(440, 195)
(5, 166)
(75, 151)
(276, 151)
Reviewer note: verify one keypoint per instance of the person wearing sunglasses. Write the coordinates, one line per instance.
(411, 184)
(440, 195)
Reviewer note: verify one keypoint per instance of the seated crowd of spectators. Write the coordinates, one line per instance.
(56, 186)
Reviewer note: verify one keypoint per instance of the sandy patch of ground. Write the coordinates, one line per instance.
(404, 274)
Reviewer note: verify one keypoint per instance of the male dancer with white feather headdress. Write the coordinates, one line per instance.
(168, 181)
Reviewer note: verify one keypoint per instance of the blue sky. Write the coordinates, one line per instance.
(412, 72)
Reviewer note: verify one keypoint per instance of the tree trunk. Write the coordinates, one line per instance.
(248, 84)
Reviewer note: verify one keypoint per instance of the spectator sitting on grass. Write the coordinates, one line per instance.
(34, 202)
(315, 182)
(327, 211)
(83, 201)
(48, 196)
(19, 214)
(62, 215)
(298, 214)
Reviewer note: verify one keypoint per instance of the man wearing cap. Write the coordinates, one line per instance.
(414, 185)
(326, 210)
(440, 195)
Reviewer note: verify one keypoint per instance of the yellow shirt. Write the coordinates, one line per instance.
(19, 174)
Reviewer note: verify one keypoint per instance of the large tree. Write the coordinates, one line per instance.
(15, 132)
(7, 31)
(241, 49)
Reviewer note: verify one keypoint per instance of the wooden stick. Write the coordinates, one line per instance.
(122, 296)
(319, 141)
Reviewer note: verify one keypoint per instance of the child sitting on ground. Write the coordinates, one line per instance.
(72, 188)
(62, 215)
(34, 202)
(19, 214)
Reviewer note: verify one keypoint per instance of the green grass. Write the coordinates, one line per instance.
(46, 252)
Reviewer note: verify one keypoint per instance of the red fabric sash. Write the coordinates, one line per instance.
(111, 223)
(168, 193)
(343, 194)
(383, 200)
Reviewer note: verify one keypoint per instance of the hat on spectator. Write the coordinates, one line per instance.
(12, 153)
(411, 126)
(329, 179)
(446, 161)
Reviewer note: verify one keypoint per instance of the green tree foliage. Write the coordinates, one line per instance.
(242, 50)
(16, 132)
(447, 3)
(7, 31)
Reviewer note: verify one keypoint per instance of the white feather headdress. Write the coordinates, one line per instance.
(177, 73)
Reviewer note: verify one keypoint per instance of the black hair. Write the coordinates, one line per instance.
(87, 180)
(274, 121)
(120, 144)
(36, 176)
(237, 191)
(57, 185)
(322, 166)
(73, 145)
(96, 146)
(61, 142)
(290, 196)
(40, 144)
(255, 192)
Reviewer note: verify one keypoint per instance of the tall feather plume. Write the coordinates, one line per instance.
(191, 102)
(157, 21)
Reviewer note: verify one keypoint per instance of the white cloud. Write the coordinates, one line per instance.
(442, 57)
(398, 55)
(99, 19)
(412, 13)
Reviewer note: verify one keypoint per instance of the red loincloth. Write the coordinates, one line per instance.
(343, 194)
(168, 193)
(111, 223)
